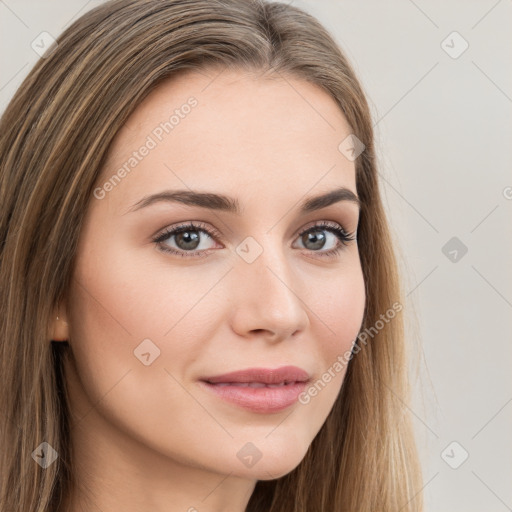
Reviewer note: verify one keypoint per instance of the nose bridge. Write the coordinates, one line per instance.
(268, 294)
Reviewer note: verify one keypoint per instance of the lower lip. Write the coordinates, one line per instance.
(262, 400)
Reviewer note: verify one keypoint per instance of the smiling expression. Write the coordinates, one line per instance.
(211, 256)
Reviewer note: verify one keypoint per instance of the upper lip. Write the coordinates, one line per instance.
(263, 375)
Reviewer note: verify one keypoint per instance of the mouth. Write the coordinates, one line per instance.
(260, 390)
(251, 384)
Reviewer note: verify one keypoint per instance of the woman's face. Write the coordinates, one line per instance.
(150, 321)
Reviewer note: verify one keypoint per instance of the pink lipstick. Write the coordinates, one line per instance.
(261, 390)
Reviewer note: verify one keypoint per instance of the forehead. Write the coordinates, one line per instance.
(234, 131)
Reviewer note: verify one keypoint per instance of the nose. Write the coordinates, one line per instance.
(268, 301)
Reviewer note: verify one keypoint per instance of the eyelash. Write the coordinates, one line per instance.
(343, 236)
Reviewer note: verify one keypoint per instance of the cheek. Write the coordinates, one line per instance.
(139, 399)
(340, 308)
(126, 312)
(101, 342)
(110, 315)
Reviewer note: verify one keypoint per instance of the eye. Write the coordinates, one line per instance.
(313, 238)
(188, 238)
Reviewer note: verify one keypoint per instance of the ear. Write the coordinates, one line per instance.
(60, 328)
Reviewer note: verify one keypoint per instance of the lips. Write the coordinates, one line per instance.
(259, 390)
(260, 377)
(251, 384)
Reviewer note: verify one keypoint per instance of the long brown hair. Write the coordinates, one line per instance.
(54, 136)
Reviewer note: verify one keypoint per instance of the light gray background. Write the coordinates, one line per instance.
(443, 131)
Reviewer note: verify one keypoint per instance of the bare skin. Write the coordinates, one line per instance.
(148, 437)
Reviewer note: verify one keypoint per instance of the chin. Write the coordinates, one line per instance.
(276, 459)
(272, 472)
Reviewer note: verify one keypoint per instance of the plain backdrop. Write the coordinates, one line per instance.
(438, 77)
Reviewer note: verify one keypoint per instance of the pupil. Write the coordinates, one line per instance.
(318, 241)
(189, 240)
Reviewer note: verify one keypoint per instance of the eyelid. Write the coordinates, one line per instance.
(197, 225)
(322, 223)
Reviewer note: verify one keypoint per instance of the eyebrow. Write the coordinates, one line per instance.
(224, 203)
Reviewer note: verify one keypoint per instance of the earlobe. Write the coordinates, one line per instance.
(60, 331)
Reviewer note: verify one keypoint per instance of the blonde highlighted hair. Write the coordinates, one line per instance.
(54, 136)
